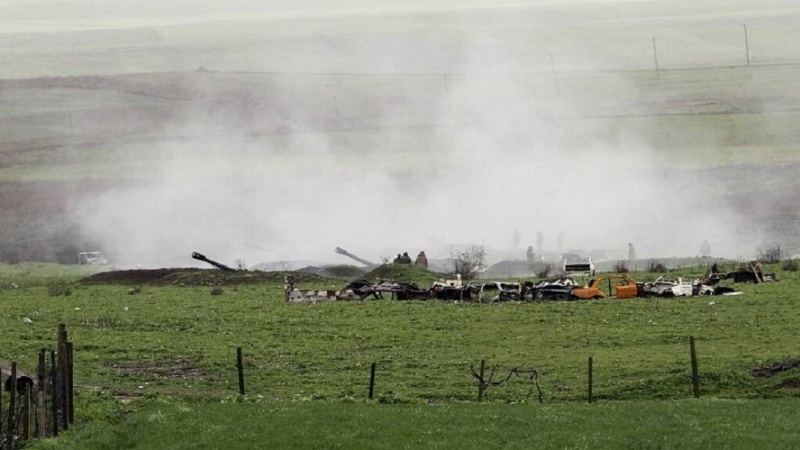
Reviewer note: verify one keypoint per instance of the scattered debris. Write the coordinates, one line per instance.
(770, 371)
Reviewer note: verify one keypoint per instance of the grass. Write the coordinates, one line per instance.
(423, 350)
(685, 424)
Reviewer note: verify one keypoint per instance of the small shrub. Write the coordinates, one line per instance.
(769, 253)
(217, 290)
(656, 267)
(621, 267)
(543, 269)
(791, 265)
(59, 288)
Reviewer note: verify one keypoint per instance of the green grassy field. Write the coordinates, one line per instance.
(423, 350)
(307, 366)
(130, 100)
(684, 424)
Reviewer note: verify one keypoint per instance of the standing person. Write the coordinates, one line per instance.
(631, 252)
(422, 260)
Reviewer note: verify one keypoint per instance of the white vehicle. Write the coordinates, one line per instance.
(669, 288)
(579, 266)
(91, 258)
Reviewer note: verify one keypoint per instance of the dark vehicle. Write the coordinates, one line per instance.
(554, 289)
(492, 291)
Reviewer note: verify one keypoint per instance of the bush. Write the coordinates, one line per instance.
(769, 253)
(59, 288)
(543, 269)
(656, 267)
(790, 265)
(621, 267)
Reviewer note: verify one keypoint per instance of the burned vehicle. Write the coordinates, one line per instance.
(663, 287)
(553, 289)
(448, 291)
(617, 286)
(399, 290)
(492, 291)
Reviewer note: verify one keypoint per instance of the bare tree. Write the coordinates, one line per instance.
(469, 262)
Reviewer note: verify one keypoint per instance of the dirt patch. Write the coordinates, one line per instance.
(791, 384)
(775, 368)
(194, 277)
(171, 369)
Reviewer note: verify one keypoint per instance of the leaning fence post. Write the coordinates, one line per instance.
(371, 380)
(41, 411)
(590, 380)
(481, 384)
(240, 369)
(695, 376)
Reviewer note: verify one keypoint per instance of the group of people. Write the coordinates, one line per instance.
(421, 261)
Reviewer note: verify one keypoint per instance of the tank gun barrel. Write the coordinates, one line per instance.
(201, 257)
(344, 252)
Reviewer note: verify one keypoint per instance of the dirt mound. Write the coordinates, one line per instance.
(335, 271)
(775, 368)
(403, 272)
(194, 277)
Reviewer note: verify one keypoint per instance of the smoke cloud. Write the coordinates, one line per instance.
(288, 168)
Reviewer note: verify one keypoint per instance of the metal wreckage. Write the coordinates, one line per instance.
(561, 288)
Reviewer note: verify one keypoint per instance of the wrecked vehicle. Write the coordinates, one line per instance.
(553, 289)
(617, 286)
(580, 266)
(91, 258)
(748, 275)
(493, 291)
(448, 291)
(664, 287)
(357, 290)
(401, 290)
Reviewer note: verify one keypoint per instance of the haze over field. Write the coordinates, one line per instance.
(280, 131)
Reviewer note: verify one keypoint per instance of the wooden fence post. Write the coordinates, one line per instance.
(12, 406)
(63, 376)
(590, 380)
(481, 384)
(695, 376)
(70, 385)
(26, 414)
(41, 410)
(371, 380)
(54, 389)
(240, 369)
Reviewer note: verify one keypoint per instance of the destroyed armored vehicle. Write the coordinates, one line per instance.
(553, 289)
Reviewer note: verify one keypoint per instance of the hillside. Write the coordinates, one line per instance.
(149, 143)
